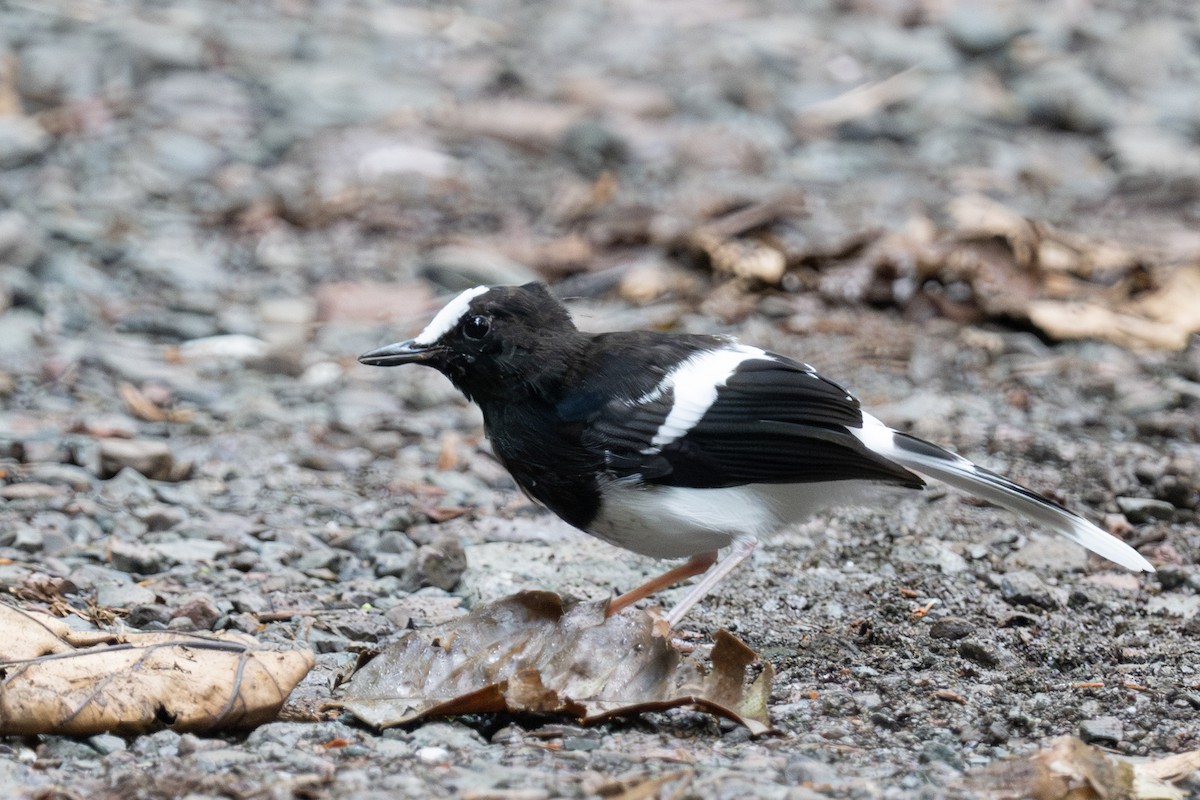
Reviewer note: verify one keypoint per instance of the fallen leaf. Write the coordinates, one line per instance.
(59, 680)
(527, 654)
(1070, 769)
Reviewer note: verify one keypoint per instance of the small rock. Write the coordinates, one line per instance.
(106, 744)
(134, 559)
(201, 611)
(19, 330)
(30, 491)
(21, 140)
(21, 240)
(123, 595)
(76, 478)
(979, 653)
(433, 756)
(977, 29)
(1026, 589)
(1144, 509)
(148, 614)
(442, 563)
(951, 628)
(1171, 576)
(162, 744)
(1101, 730)
(224, 350)
(1062, 95)
(149, 457)
(447, 734)
(1043, 553)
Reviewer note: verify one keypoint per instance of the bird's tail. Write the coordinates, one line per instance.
(930, 460)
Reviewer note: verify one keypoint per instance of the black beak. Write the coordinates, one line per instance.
(393, 355)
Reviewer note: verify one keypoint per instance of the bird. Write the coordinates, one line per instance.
(681, 445)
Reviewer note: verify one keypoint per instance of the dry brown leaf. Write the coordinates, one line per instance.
(77, 683)
(1068, 285)
(1070, 769)
(526, 654)
(144, 408)
(1166, 317)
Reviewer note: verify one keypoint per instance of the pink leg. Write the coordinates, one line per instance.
(693, 566)
(739, 552)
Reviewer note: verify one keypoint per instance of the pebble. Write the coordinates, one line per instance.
(442, 563)
(447, 734)
(980, 653)
(1023, 588)
(148, 457)
(951, 628)
(1102, 730)
(133, 558)
(200, 611)
(106, 743)
(1144, 509)
(124, 595)
(21, 140)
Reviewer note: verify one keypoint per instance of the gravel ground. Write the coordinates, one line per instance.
(209, 208)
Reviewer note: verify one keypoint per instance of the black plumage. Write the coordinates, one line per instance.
(677, 444)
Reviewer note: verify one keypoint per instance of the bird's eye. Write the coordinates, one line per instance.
(476, 327)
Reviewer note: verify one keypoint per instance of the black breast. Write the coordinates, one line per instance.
(543, 454)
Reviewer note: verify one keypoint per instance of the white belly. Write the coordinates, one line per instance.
(678, 522)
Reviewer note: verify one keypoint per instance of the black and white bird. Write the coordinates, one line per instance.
(679, 445)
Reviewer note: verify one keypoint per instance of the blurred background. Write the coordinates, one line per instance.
(179, 170)
(983, 218)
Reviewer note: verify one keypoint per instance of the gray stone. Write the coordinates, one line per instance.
(978, 28)
(19, 330)
(133, 558)
(70, 475)
(1048, 553)
(21, 241)
(1023, 588)
(448, 735)
(1063, 96)
(21, 140)
(202, 612)
(128, 488)
(160, 45)
(978, 652)
(1101, 730)
(28, 539)
(149, 457)
(163, 744)
(185, 154)
(1145, 509)
(148, 615)
(106, 744)
(932, 553)
(951, 628)
(188, 551)
(90, 577)
(441, 563)
(128, 595)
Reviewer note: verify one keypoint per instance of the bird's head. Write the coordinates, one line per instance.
(492, 343)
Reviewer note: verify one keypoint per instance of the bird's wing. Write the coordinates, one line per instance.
(738, 415)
